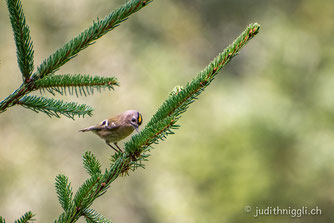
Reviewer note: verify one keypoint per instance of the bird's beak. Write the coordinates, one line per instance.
(135, 126)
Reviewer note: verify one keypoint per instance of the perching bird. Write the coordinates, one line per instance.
(117, 128)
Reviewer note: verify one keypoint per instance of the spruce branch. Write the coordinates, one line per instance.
(77, 84)
(64, 218)
(179, 101)
(27, 217)
(53, 107)
(82, 196)
(82, 200)
(24, 46)
(64, 191)
(151, 135)
(92, 216)
(161, 125)
(92, 188)
(91, 164)
(87, 37)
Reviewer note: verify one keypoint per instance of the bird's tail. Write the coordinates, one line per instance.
(88, 129)
(83, 130)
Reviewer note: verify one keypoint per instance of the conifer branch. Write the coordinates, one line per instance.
(27, 217)
(53, 107)
(91, 164)
(64, 191)
(24, 46)
(87, 37)
(92, 216)
(83, 197)
(151, 135)
(162, 124)
(92, 188)
(179, 101)
(77, 84)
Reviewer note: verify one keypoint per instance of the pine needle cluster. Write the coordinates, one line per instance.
(45, 79)
(27, 217)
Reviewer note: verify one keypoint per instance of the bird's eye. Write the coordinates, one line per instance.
(133, 120)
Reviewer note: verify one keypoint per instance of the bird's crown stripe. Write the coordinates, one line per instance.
(139, 118)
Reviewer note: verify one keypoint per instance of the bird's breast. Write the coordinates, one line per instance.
(115, 135)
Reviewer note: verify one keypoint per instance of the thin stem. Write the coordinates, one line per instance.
(14, 97)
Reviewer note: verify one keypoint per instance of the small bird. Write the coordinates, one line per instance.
(117, 128)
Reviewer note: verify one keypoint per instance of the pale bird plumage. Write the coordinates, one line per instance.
(117, 128)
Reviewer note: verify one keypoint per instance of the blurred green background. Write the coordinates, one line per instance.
(261, 135)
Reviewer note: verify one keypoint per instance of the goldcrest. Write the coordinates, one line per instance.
(117, 128)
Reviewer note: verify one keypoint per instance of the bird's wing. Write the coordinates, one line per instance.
(108, 124)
